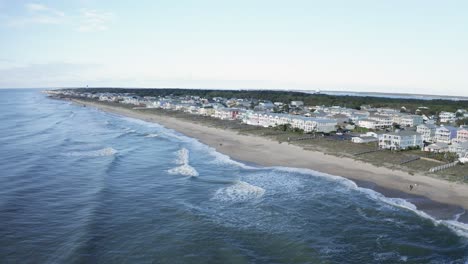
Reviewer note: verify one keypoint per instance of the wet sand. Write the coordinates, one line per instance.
(437, 197)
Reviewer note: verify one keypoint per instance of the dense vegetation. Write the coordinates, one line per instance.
(435, 106)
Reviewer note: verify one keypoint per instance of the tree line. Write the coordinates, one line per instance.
(435, 106)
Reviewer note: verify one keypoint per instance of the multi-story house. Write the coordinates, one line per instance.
(400, 140)
(447, 117)
(367, 123)
(427, 132)
(445, 134)
(411, 120)
(382, 121)
(462, 135)
(460, 148)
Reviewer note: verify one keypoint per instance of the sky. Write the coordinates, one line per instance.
(396, 46)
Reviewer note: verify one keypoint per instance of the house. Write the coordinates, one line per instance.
(206, 111)
(364, 139)
(370, 134)
(367, 123)
(460, 148)
(427, 131)
(226, 113)
(297, 104)
(411, 120)
(309, 124)
(382, 121)
(462, 135)
(447, 117)
(445, 134)
(438, 147)
(400, 140)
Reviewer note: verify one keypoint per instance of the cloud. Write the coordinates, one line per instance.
(33, 7)
(93, 21)
(38, 14)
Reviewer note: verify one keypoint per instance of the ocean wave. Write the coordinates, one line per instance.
(185, 169)
(94, 153)
(459, 228)
(151, 135)
(239, 192)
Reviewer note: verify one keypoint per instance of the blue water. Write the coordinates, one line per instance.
(83, 186)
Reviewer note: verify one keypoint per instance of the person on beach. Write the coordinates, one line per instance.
(411, 187)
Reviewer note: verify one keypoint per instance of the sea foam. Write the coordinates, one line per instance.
(457, 227)
(239, 192)
(183, 160)
(94, 153)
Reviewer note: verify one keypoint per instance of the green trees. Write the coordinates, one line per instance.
(434, 106)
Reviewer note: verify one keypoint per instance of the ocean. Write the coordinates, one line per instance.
(78, 185)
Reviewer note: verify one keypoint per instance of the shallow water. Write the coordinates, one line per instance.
(80, 185)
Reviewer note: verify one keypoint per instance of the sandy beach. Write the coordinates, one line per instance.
(266, 152)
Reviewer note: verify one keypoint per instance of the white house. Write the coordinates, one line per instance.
(460, 148)
(226, 113)
(438, 147)
(447, 117)
(427, 131)
(411, 120)
(400, 140)
(297, 103)
(382, 121)
(367, 123)
(364, 139)
(445, 134)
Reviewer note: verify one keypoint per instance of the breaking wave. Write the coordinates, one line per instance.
(239, 192)
(94, 153)
(457, 227)
(185, 169)
(151, 135)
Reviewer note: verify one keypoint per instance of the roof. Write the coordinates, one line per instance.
(438, 145)
(403, 133)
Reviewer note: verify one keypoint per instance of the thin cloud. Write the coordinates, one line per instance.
(38, 14)
(34, 7)
(94, 21)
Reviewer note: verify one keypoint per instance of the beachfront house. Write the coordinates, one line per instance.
(400, 140)
(364, 139)
(438, 147)
(445, 134)
(226, 113)
(206, 111)
(309, 124)
(460, 148)
(427, 131)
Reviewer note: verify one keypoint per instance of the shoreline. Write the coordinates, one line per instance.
(439, 198)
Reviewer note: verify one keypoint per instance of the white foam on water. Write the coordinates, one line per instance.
(183, 160)
(151, 135)
(94, 153)
(243, 190)
(239, 192)
(457, 216)
(461, 229)
(185, 170)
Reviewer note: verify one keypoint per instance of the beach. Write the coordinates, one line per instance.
(266, 152)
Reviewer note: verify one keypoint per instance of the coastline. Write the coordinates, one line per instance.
(430, 195)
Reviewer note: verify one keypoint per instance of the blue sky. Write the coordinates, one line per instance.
(381, 46)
